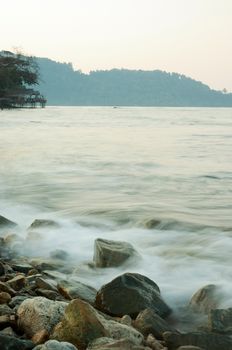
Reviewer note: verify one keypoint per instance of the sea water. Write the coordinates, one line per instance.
(104, 172)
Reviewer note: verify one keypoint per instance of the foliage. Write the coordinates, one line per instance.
(18, 73)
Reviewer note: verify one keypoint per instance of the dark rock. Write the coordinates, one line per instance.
(7, 289)
(37, 314)
(74, 289)
(22, 267)
(129, 294)
(4, 222)
(45, 264)
(205, 299)
(55, 345)
(59, 254)
(12, 343)
(220, 321)
(148, 322)
(43, 283)
(17, 300)
(8, 331)
(207, 341)
(112, 253)
(151, 223)
(42, 223)
(6, 321)
(2, 269)
(5, 310)
(49, 294)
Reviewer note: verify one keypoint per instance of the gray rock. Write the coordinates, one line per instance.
(75, 289)
(4, 222)
(37, 314)
(17, 300)
(206, 341)
(112, 253)
(105, 343)
(189, 347)
(148, 322)
(42, 223)
(205, 299)
(5, 310)
(12, 343)
(220, 321)
(55, 345)
(129, 294)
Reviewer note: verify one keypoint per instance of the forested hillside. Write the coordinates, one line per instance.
(121, 87)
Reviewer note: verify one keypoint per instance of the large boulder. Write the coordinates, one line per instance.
(75, 289)
(82, 324)
(205, 299)
(220, 321)
(12, 343)
(148, 322)
(112, 253)
(206, 341)
(38, 314)
(129, 294)
(55, 345)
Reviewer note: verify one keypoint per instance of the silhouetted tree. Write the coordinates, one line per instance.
(18, 74)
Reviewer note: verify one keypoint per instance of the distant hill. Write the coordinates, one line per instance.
(122, 87)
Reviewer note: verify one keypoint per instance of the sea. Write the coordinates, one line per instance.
(158, 178)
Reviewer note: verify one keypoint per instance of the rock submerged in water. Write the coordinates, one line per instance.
(220, 321)
(4, 222)
(129, 294)
(43, 223)
(109, 253)
(205, 299)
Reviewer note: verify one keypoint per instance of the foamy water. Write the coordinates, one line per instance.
(105, 172)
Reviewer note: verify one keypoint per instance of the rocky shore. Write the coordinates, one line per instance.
(43, 306)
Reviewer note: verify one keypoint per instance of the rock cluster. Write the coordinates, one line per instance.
(41, 310)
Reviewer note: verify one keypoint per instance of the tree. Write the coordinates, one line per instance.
(18, 75)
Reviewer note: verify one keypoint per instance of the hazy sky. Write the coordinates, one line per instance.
(193, 37)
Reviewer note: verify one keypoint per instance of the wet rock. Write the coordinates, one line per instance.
(59, 254)
(129, 294)
(74, 289)
(47, 284)
(20, 266)
(12, 343)
(45, 264)
(37, 314)
(206, 341)
(7, 289)
(148, 322)
(82, 324)
(126, 319)
(151, 223)
(205, 299)
(7, 320)
(49, 294)
(155, 344)
(220, 321)
(5, 298)
(17, 283)
(4, 222)
(112, 253)
(55, 345)
(42, 223)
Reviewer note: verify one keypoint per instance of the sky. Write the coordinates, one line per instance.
(191, 37)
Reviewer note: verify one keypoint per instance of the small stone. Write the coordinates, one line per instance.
(42, 283)
(126, 319)
(55, 345)
(5, 298)
(75, 289)
(6, 288)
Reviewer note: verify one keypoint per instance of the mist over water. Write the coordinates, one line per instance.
(106, 172)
